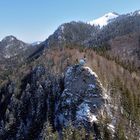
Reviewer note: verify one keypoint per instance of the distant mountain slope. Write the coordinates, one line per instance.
(10, 46)
(110, 26)
(73, 32)
(13, 53)
(122, 25)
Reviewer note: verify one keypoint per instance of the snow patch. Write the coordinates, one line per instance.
(60, 38)
(90, 71)
(7, 56)
(11, 39)
(106, 96)
(36, 43)
(91, 86)
(104, 20)
(69, 71)
(62, 28)
(84, 113)
(60, 33)
(111, 127)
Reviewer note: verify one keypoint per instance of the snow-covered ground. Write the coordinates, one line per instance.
(104, 20)
(84, 113)
(90, 71)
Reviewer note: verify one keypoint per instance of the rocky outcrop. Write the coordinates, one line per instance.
(82, 98)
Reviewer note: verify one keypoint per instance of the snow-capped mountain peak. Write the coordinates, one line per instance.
(104, 20)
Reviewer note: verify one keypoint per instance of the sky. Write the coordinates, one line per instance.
(35, 20)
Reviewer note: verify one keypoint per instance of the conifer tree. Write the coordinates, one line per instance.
(47, 131)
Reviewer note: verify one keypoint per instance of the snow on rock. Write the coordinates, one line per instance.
(104, 20)
(60, 32)
(12, 38)
(7, 56)
(62, 28)
(106, 96)
(91, 86)
(36, 43)
(111, 127)
(136, 13)
(9, 38)
(84, 113)
(82, 97)
(90, 71)
(104, 91)
(68, 72)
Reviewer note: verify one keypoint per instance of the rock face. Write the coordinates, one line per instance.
(82, 97)
(76, 96)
